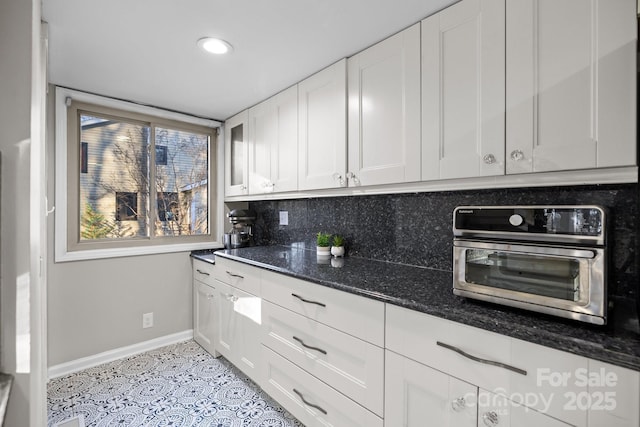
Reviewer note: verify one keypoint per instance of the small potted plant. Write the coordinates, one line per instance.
(323, 243)
(337, 249)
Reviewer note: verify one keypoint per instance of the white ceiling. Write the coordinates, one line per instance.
(145, 50)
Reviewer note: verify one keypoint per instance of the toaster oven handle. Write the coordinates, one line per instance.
(480, 360)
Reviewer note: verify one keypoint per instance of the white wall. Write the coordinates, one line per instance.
(96, 306)
(15, 102)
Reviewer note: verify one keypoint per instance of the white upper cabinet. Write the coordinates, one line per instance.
(273, 144)
(322, 125)
(236, 155)
(384, 111)
(571, 84)
(463, 86)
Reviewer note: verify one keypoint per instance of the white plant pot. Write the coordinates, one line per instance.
(337, 251)
(323, 250)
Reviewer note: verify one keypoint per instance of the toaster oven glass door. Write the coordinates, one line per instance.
(559, 276)
(544, 275)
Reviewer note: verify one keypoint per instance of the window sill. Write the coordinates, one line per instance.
(82, 255)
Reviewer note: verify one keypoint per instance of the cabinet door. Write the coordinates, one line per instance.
(463, 81)
(571, 85)
(239, 327)
(228, 325)
(416, 394)
(384, 111)
(322, 120)
(236, 155)
(204, 316)
(273, 144)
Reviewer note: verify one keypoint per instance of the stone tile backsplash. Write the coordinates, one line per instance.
(416, 228)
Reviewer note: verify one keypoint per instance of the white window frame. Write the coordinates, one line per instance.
(62, 254)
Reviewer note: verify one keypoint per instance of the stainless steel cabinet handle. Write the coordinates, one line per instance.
(308, 403)
(302, 343)
(458, 404)
(308, 301)
(234, 275)
(203, 272)
(490, 419)
(480, 360)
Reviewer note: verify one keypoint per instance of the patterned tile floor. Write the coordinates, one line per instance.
(178, 385)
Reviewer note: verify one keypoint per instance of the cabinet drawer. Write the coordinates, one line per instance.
(203, 271)
(416, 335)
(348, 364)
(310, 400)
(239, 275)
(353, 314)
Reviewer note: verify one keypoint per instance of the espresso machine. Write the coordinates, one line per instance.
(241, 233)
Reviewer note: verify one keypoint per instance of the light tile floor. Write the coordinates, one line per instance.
(178, 385)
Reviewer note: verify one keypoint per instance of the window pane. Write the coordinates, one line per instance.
(114, 178)
(182, 183)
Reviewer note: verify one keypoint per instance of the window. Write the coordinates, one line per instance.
(126, 207)
(84, 157)
(137, 180)
(168, 206)
(161, 155)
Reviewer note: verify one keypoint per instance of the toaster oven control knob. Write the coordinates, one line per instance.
(516, 220)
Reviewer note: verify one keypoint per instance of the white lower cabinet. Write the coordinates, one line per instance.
(240, 317)
(310, 400)
(204, 306)
(204, 316)
(333, 358)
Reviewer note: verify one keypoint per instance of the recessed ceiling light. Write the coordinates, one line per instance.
(213, 45)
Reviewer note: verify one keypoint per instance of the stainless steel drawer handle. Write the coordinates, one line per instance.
(309, 403)
(203, 272)
(234, 275)
(302, 343)
(308, 301)
(480, 360)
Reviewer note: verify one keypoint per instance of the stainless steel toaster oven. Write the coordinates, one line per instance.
(549, 259)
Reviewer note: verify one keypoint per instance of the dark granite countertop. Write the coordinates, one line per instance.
(429, 291)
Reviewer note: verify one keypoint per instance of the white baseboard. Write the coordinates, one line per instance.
(118, 353)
